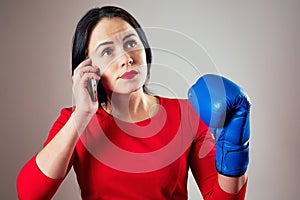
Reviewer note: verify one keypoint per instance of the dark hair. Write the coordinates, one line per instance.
(83, 31)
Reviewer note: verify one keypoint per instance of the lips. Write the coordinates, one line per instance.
(129, 75)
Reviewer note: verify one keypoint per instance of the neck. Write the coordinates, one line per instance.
(132, 107)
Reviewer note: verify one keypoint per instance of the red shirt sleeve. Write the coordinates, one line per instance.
(32, 183)
(202, 163)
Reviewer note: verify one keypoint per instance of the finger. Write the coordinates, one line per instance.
(89, 69)
(88, 76)
(87, 62)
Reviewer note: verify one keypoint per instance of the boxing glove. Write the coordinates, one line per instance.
(225, 108)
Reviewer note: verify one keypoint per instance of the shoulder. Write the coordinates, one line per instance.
(61, 120)
(175, 104)
(168, 101)
(178, 107)
(67, 111)
(186, 110)
(63, 117)
(181, 111)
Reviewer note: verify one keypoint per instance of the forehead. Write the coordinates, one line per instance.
(109, 28)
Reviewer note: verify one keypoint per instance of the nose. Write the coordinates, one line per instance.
(125, 59)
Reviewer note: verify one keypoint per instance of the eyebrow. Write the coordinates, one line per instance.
(103, 43)
(129, 35)
(111, 42)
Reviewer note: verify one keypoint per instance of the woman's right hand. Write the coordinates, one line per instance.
(55, 158)
(85, 106)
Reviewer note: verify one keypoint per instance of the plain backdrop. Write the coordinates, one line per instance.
(254, 43)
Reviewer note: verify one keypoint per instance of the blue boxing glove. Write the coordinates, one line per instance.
(225, 108)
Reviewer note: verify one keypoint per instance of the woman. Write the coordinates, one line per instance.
(157, 138)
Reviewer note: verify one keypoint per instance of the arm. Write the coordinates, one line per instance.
(203, 166)
(225, 108)
(42, 175)
(32, 183)
(232, 185)
(53, 160)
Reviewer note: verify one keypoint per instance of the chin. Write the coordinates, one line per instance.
(127, 88)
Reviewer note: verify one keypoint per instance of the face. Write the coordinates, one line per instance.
(116, 48)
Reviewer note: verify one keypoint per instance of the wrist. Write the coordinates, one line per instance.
(232, 160)
(81, 119)
(232, 185)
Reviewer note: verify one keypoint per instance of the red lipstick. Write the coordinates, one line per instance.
(129, 75)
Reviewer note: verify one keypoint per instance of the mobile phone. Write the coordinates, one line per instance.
(92, 87)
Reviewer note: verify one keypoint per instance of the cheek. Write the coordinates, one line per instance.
(103, 64)
(139, 57)
(143, 74)
(107, 79)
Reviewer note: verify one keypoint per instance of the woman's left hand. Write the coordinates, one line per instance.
(225, 108)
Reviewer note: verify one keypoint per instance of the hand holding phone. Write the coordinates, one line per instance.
(92, 88)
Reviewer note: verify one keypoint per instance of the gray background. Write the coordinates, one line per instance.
(255, 43)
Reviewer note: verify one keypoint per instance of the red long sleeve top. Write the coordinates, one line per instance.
(149, 159)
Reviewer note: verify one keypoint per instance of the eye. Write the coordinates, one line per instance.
(130, 44)
(106, 52)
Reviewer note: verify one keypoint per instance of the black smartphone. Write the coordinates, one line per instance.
(92, 87)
